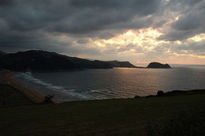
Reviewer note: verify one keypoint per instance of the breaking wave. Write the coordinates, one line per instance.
(27, 77)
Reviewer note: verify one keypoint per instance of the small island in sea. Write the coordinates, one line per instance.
(158, 65)
(159, 114)
(102, 68)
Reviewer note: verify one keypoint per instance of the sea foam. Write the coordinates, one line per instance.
(66, 93)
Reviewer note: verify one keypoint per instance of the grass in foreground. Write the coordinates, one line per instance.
(156, 116)
(10, 96)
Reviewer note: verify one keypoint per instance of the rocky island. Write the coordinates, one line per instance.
(158, 65)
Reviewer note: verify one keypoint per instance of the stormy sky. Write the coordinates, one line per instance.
(140, 31)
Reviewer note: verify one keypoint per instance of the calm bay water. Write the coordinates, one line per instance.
(113, 83)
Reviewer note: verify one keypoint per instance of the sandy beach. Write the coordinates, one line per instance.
(6, 78)
(144, 116)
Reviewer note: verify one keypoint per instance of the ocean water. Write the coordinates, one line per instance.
(113, 83)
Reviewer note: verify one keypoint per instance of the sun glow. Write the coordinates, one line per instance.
(141, 38)
(190, 55)
(198, 38)
(142, 42)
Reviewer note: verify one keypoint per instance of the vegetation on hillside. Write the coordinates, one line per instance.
(37, 60)
(155, 116)
(10, 96)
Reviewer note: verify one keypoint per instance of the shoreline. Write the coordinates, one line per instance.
(35, 97)
(162, 93)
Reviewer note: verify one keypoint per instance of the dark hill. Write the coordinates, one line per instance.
(121, 64)
(2, 53)
(158, 65)
(37, 60)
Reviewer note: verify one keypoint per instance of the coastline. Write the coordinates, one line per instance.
(155, 116)
(6, 77)
(162, 93)
(35, 97)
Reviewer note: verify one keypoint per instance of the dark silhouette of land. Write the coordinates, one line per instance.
(11, 96)
(158, 65)
(179, 115)
(2, 53)
(161, 93)
(37, 60)
(180, 92)
(41, 61)
(116, 63)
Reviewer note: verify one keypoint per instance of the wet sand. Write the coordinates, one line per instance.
(6, 78)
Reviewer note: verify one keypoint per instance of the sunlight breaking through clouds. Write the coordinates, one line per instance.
(145, 38)
(169, 31)
(198, 38)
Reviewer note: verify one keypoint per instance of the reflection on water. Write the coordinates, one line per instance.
(118, 82)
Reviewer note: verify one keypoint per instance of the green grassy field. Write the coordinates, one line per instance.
(165, 116)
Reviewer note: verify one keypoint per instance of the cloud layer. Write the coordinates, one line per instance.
(135, 30)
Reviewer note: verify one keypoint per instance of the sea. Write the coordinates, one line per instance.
(98, 84)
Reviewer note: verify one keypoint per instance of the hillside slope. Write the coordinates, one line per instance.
(156, 116)
(37, 60)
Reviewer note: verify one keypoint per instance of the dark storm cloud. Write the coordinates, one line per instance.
(24, 21)
(194, 48)
(6, 2)
(74, 16)
(95, 15)
(191, 20)
(37, 24)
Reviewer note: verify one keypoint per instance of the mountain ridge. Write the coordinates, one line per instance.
(38, 60)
